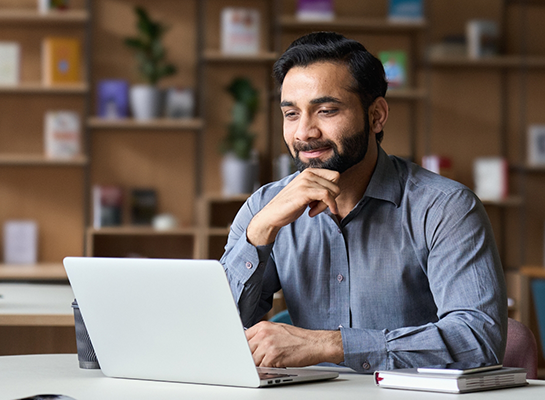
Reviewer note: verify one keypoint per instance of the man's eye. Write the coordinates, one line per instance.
(289, 114)
(328, 111)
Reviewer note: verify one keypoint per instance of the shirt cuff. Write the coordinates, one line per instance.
(365, 350)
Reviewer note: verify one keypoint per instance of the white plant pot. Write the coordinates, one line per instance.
(238, 175)
(145, 102)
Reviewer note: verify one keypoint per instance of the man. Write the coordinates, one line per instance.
(383, 264)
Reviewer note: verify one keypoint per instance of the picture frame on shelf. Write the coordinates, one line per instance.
(536, 146)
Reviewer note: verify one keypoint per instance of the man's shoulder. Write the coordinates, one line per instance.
(422, 182)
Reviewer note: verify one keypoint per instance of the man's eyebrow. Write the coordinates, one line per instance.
(286, 103)
(319, 100)
(325, 99)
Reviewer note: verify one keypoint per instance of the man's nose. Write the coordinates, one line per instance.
(307, 129)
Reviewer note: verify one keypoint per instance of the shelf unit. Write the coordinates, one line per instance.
(49, 191)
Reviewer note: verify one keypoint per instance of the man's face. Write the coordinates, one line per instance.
(325, 125)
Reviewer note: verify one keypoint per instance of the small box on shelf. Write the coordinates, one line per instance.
(61, 61)
(240, 28)
(536, 146)
(482, 38)
(395, 68)
(113, 98)
(62, 134)
(10, 60)
(406, 10)
(107, 206)
(490, 176)
(20, 242)
(315, 10)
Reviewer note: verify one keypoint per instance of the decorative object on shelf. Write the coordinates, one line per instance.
(113, 98)
(395, 67)
(482, 38)
(152, 64)
(45, 6)
(536, 146)
(107, 205)
(143, 206)
(180, 103)
(240, 31)
(406, 10)
(315, 10)
(61, 58)
(62, 134)
(491, 178)
(20, 242)
(10, 60)
(164, 222)
(238, 167)
(439, 164)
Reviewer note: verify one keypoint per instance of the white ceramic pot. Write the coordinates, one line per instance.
(238, 175)
(145, 102)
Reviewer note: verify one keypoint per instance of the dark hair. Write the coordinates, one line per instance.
(367, 71)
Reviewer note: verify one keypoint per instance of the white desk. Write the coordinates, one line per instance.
(22, 376)
(29, 304)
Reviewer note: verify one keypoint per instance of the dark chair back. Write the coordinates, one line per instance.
(521, 350)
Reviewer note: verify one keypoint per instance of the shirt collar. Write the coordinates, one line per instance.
(385, 183)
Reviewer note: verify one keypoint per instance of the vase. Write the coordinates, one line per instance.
(145, 102)
(238, 175)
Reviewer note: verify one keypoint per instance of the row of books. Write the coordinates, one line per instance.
(61, 61)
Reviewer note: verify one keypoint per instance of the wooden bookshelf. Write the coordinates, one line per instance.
(162, 123)
(375, 25)
(35, 272)
(33, 16)
(39, 88)
(218, 56)
(40, 160)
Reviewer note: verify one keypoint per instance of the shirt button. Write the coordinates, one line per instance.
(340, 278)
(339, 230)
(249, 265)
(366, 365)
(340, 326)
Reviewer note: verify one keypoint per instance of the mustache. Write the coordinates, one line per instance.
(313, 145)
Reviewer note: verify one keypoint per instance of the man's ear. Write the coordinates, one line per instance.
(378, 114)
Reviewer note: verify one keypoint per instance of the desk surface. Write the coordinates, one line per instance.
(34, 304)
(22, 376)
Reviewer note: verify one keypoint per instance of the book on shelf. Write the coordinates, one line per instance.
(143, 206)
(20, 242)
(61, 58)
(411, 379)
(10, 63)
(315, 10)
(490, 175)
(240, 30)
(179, 103)
(113, 98)
(536, 146)
(62, 134)
(395, 68)
(482, 38)
(107, 205)
(406, 10)
(45, 6)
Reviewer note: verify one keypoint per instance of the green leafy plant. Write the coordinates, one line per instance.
(148, 47)
(239, 138)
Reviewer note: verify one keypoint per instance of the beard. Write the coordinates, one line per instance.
(354, 150)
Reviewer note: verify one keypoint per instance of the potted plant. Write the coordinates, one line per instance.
(152, 65)
(239, 169)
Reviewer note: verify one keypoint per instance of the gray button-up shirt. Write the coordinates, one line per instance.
(411, 276)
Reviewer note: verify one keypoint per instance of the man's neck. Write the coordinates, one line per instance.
(354, 181)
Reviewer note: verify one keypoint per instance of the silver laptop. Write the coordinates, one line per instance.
(169, 320)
